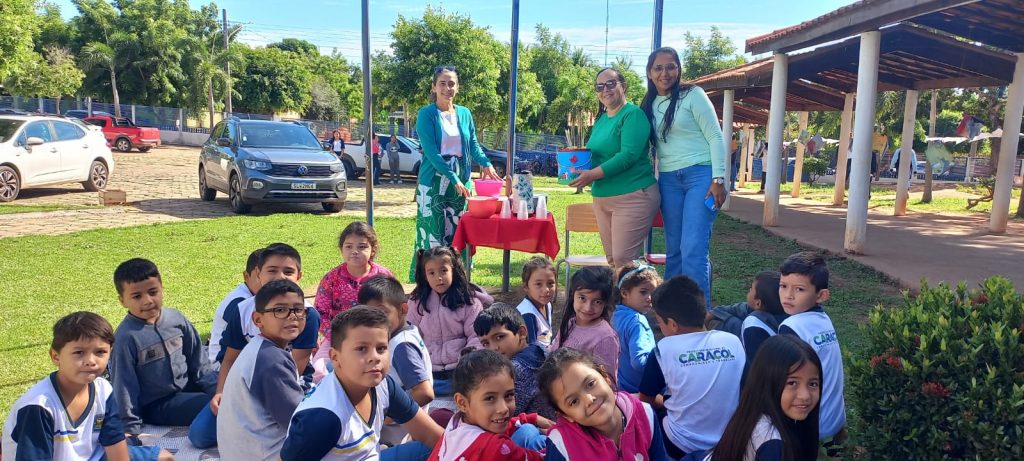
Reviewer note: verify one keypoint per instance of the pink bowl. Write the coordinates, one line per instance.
(488, 187)
(482, 207)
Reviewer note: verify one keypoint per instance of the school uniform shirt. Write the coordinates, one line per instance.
(636, 341)
(215, 351)
(538, 326)
(815, 327)
(462, 441)
(152, 361)
(241, 329)
(641, 438)
(410, 366)
(765, 443)
(327, 426)
(756, 331)
(701, 372)
(38, 427)
(260, 394)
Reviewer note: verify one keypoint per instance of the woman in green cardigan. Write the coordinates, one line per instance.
(626, 196)
(448, 137)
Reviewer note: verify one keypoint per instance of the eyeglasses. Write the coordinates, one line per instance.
(668, 67)
(610, 84)
(285, 312)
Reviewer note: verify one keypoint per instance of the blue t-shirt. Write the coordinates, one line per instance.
(636, 341)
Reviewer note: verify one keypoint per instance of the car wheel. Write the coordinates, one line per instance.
(416, 169)
(98, 176)
(123, 145)
(10, 184)
(145, 149)
(206, 194)
(333, 207)
(235, 197)
(350, 169)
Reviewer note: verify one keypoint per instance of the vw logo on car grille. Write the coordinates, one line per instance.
(302, 170)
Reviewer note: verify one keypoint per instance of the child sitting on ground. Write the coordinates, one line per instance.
(340, 287)
(245, 290)
(160, 371)
(72, 414)
(410, 361)
(597, 423)
(636, 340)
(766, 314)
(539, 283)
(777, 417)
(501, 329)
(443, 305)
(699, 369)
(586, 319)
(486, 423)
(802, 289)
(340, 420)
(263, 389)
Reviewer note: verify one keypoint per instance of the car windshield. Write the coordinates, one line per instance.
(7, 128)
(414, 142)
(277, 135)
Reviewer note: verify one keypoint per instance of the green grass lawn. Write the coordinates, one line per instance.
(8, 208)
(45, 277)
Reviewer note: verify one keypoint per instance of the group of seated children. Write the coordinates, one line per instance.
(367, 372)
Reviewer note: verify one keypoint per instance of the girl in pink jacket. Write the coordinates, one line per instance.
(444, 305)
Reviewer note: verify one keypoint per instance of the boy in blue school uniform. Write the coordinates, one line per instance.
(803, 287)
(342, 418)
(72, 414)
(693, 374)
(159, 368)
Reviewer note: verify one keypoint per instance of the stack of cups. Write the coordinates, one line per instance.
(506, 209)
(524, 211)
(542, 207)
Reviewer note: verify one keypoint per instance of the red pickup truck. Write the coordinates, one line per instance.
(122, 134)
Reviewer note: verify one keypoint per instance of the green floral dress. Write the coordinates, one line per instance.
(439, 206)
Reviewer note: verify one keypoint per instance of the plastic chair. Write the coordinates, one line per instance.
(654, 258)
(579, 217)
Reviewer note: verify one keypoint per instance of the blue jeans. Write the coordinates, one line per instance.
(411, 451)
(687, 224)
(529, 437)
(203, 430)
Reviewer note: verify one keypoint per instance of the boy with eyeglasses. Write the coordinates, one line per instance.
(263, 387)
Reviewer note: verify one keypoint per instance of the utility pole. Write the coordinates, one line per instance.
(227, 67)
(368, 113)
(659, 12)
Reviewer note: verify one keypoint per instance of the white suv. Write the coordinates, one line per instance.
(37, 150)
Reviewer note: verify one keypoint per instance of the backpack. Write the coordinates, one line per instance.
(729, 318)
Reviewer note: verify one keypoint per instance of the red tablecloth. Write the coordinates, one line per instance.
(526, 235)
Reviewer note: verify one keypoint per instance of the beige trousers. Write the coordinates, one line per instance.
(624, 222)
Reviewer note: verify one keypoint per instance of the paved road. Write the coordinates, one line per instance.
(161, 186)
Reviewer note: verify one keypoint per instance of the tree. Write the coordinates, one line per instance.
(53, 76)
(325, 103)
(635, 87)
(701, 58)
(272, 81)
(17, 24)
(53, 30)
(294, 45)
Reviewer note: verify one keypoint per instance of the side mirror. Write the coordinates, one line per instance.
(223, 142)
(326, 145)
(34, 141)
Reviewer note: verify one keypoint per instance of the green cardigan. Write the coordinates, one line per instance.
(428, 127)
(620, 145)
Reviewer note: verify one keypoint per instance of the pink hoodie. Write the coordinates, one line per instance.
(445, 331)
(587, 444)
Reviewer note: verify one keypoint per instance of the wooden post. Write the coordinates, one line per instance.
(846, 122)
(863, 128)
(1008, 150)
(776, 125)
(727, 115)
(907, 156)
(798, 168)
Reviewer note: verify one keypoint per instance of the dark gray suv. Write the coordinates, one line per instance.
(265, 161)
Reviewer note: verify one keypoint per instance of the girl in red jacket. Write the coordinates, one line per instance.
(483, 427)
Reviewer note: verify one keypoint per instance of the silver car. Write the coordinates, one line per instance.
(266, 161)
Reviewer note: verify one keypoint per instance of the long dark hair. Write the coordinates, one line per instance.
(762, 395)
(459, 293)
(437, 73)
(678, 91)
(556, 364)
(597, 278)
(622, 81)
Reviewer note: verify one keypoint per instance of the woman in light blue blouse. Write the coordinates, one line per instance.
(691, 166)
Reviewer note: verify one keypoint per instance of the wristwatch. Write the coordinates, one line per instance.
(718, 180)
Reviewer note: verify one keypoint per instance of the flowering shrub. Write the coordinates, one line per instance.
(943, 376)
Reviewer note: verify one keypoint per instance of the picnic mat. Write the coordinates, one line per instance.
(175, 440)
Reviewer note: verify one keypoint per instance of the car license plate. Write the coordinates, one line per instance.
(304, 185)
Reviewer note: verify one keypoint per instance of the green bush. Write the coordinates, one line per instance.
(816, 167)
(943, 376)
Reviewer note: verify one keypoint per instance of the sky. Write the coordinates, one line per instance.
(336, 24)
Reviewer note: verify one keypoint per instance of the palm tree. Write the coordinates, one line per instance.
(209, 70)
(99, 54)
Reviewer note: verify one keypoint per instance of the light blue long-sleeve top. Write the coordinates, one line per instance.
(695, 137)
(636, 341)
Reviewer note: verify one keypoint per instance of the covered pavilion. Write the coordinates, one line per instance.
(903, 45)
